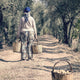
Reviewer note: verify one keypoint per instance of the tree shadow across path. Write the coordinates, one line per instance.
(52, 46)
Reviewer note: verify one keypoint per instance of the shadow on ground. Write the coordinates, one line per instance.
(57, 50)
(9, 61)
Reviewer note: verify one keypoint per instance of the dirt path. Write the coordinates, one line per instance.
(11, 68)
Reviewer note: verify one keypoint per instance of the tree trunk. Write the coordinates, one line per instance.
(70, 33)
(65, 25)
(65, 34)
(1, 41)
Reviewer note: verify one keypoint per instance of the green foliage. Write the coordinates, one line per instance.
(67, 10)
(55, 17)
(77, 25)
(10, 14)
(38, 14)
(76, 31)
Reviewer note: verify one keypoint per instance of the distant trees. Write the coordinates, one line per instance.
(40, 13)
(10, 14)
(66, 11)
(76, 31)
(57, 17)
